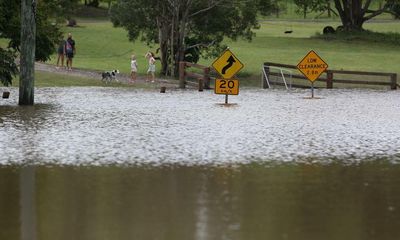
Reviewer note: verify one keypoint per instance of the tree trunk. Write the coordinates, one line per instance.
(181, 46)
(305, 11)
(328, 8)
(28, 35)
(164, 56)
(351, 14)
(171, 46)
(163, 39)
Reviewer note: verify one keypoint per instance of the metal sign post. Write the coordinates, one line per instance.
(312, 89)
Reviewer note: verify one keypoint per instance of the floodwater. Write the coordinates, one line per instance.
(104, 163)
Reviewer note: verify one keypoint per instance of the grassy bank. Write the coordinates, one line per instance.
(273, 45)
(102, 47)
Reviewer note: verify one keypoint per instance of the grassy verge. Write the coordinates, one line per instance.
(102, 47)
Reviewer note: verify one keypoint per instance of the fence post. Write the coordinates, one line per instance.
(393, 81)
(329, 79)
(182, 77)
(206, 78)
(264, 84)
(201, 84)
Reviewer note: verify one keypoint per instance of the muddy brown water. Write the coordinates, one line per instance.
(103, 163)
(288, 201)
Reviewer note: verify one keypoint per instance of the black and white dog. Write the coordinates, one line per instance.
(108, 76)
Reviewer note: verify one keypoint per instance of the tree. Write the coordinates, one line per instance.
(276, 7)
(48, 33)
(92, 3)
(186, 29)
(59, 9)
(354, 13)
(28, 37)
(307, 6)
(396, 10)
(8, 68)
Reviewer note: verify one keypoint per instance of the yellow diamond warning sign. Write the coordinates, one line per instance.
(227, 65)
(312, 66)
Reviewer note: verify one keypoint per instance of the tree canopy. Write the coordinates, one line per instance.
(307, 6)
(186, 29)
(48, 32)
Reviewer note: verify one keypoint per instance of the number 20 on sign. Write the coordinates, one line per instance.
(227, 86)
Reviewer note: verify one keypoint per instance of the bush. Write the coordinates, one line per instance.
(8, 68)
(328, 30)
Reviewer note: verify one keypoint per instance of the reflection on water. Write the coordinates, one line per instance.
(103, 126)
(286, 201)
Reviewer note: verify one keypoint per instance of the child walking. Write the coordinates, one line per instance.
(133, 68)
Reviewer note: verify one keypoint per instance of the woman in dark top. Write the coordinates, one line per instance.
(70, 50)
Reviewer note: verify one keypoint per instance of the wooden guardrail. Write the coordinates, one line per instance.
(330, 77)
(203, 78)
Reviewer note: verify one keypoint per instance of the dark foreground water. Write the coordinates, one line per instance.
(287, 201)
(116, 164)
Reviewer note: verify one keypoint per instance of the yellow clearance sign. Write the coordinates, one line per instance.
(227, 65)
(312, 66)
(226, 86)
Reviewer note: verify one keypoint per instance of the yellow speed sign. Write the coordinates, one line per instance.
(226, 86)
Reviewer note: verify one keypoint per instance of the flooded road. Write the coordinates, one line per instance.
(104, 163)
(97, 126)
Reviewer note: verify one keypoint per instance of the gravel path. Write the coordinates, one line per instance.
(77, 72)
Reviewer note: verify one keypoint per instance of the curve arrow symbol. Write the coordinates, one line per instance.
(230, 62)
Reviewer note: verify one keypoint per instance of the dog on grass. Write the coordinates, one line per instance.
(109, 76)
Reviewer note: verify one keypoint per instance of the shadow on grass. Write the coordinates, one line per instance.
(391, 38)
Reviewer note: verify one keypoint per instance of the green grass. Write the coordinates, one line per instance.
(100, 46)
(273, 45)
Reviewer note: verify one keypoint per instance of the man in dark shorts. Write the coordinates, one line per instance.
(70, 50)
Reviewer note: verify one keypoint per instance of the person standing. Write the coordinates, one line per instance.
(133, 68)
(152, 66)
(70, 50)
(61, 53)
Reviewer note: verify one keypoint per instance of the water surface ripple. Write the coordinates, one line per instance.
(101, 126)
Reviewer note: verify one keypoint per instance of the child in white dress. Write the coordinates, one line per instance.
(152, 66)
(133, 68)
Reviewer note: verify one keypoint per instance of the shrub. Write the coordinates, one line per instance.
(8, 68)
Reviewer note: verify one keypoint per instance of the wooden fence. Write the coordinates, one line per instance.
(330, 77)
(202, 78)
